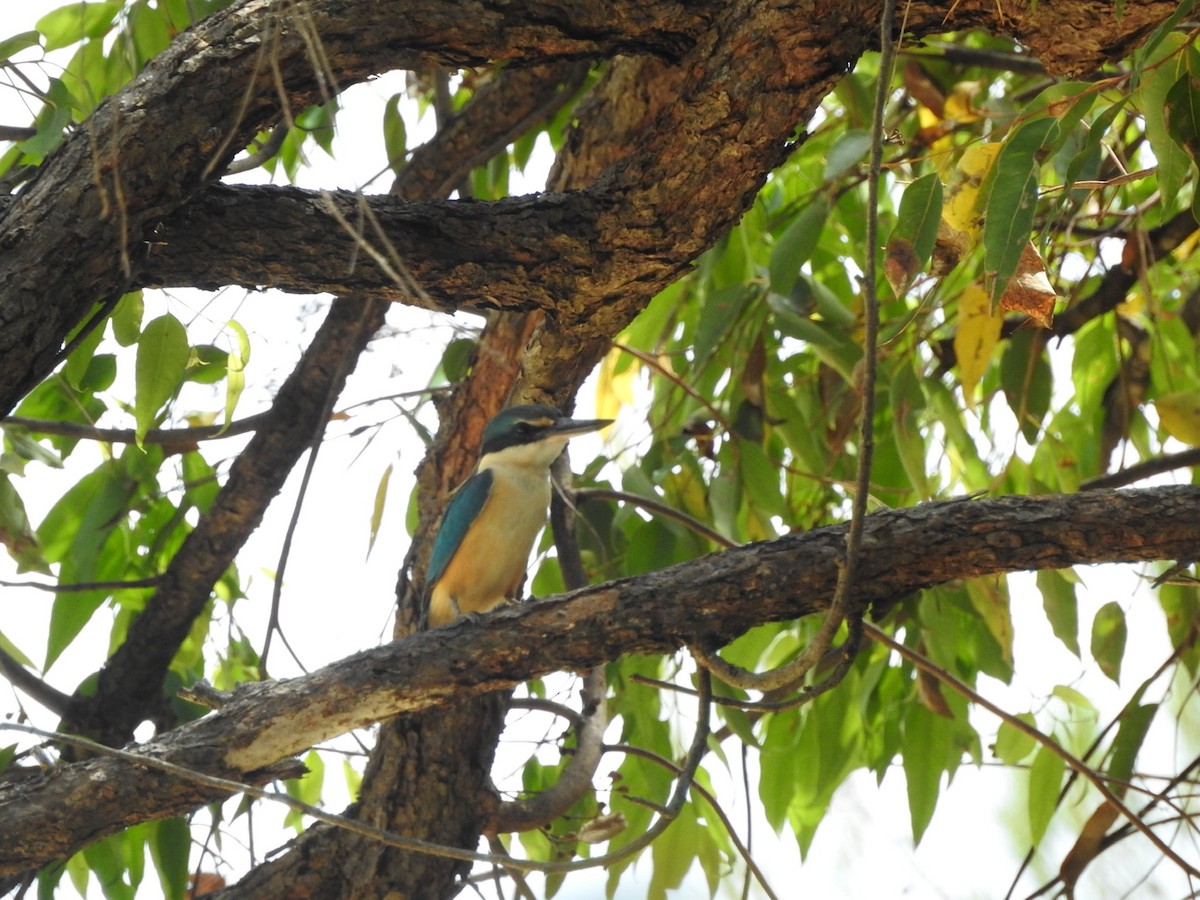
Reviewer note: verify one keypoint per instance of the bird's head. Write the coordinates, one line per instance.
(531, 435)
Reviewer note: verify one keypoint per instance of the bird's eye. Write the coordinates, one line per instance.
(523, 428)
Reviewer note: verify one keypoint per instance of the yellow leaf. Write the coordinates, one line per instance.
(961, 211)
(1134, 305)
(960, 105)
(377, 511)
(1179, 414)
(976, 338)
(614, 388)
(200, 419)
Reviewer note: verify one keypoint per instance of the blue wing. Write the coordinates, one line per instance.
(462, 510)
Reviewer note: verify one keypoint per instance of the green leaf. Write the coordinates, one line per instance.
(200, 481)
(1012, 744)
(846, 153)
(796, 245)
(1181, 606)
(7, 755)
(924, 738)
(720, 310)
(908, 404)
(395, 137)
(1045, 781)
(11, 46)
(1108, 639)
(457, 358)
(150, 29)
(170, 846)
(910, 246)
(990, 600)
(832, 346)
(85, 517)
(317, 122)
(127, 319)
(16, 533)
(1131, 732)
(1060, 605)
(673, 854)
(1151, 100)
(162, 358)
(760, 478)
(105, 859)
(70, 24)
(1068, 102)
(235, 372)
(77, 363)
(1183, 114)
(1166, 31)
(207, 364)
(50, 122)
(1012, 200)
(1027, 382)
(306, 789)
(353, 779)
(1074, 698)
(100, 373)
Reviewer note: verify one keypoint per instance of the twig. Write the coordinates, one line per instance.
(752, 868)
(168, 436)
(658, 508)
(1145, 469)
(150, 582)
(25, 681)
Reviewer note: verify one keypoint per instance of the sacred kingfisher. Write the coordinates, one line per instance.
(482, 547)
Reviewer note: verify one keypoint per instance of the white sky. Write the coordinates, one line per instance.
(336, 602)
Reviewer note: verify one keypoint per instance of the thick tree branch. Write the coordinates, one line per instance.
(708, 601)
(516, 254)
(149, 148)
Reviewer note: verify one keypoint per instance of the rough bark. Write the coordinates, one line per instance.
(708, 602)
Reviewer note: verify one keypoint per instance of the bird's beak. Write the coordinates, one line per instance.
(569, 427)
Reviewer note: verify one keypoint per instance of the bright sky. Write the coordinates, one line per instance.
(336, 601)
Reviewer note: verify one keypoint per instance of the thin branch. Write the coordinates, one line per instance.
(1145, 469)
(345, 364)
(151, 581)
(701, 791)
(582, 495)
(649, 361)
(1184, 645)
(166, 436)
(25, 681)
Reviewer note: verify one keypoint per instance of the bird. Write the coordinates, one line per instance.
(482, 547)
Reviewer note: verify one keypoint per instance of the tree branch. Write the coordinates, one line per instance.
(708, 601)
(147, 149)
